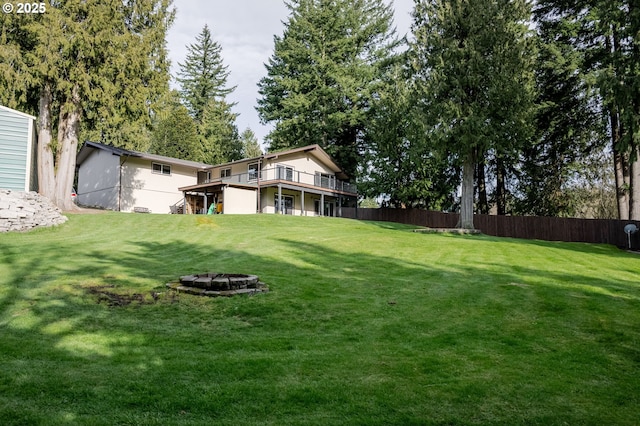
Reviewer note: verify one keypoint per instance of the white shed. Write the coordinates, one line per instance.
(17, 151)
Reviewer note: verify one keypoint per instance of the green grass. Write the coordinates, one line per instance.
(366, 323)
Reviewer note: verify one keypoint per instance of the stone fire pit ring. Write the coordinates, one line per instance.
(219, 284)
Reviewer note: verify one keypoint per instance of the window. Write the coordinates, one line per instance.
(253, 171)
(284, 205)
(225, 173)
(161, 169)
(285, 173)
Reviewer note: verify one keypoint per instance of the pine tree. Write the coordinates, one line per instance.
(321, 77)
(219, 134)
(475, 60)
(203, 75)
(250, 146)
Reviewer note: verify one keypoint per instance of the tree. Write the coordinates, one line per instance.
(219, 134)
(250, 146)
(608, 34)
(203, 75)
(203, 89)
(175, 133)
(82, 60)
(567, 121)
(401, 166)
(322, 75)
(475, 61)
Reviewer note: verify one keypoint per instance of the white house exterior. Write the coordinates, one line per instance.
(122, 180)
(17, 151)
(302, 181)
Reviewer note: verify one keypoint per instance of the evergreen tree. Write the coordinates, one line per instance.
(567, 123)
(475, 60)
(608, 32)
(250, 146)
(175, 133)
(402, 167)
(203, 75)
(92, 61)
(322, 75)
(219, 134)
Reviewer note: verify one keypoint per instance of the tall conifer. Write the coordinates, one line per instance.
(322, 75)
(203, 75)
(475, 60)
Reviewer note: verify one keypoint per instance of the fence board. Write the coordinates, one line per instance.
(599, 231)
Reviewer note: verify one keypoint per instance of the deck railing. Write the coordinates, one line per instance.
(283, 173)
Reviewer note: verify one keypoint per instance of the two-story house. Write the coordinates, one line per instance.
(301, 181)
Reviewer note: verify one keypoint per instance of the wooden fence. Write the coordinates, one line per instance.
(601, 231)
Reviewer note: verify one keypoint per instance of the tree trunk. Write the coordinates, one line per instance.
(67, 150)
(46, 176)
(634, 184)
(466, 200)
(501, 198)
(621, 165)
(483, 202)
(620, 156)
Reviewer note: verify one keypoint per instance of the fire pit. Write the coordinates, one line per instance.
(216, 284)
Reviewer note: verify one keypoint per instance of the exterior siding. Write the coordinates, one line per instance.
(236, 169)
(141, 187)
(301, 162)
(17, 159)
(239, 201)
(304, 163)
(98, 179)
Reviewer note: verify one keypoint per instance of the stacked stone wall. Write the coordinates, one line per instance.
(24, 211)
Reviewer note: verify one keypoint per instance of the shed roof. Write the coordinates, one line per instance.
(13, 111)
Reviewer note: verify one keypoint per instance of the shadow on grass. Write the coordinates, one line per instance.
(341, 336)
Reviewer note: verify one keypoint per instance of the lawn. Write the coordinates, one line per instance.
(365, 323)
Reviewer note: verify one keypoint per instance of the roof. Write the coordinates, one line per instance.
(88, 146)
(13, 111)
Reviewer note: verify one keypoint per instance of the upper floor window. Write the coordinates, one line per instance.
(253, 171)
(225, 173)
(162, 169)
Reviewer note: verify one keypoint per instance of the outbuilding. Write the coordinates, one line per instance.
(17, 150)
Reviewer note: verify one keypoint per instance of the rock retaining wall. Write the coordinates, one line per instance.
(24, 211)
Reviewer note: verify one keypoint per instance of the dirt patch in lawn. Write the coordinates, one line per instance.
(105, 294)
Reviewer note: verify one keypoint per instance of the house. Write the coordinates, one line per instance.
(302, 181)
(17, 151)
(130, 181)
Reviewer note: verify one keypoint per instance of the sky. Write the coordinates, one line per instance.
(245, 30)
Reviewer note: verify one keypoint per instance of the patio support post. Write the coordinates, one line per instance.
(322, 204)
(301, 202)
(205, 202)
(279, 203)
(340, 206)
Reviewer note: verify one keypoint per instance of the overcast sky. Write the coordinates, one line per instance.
(245, 30)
